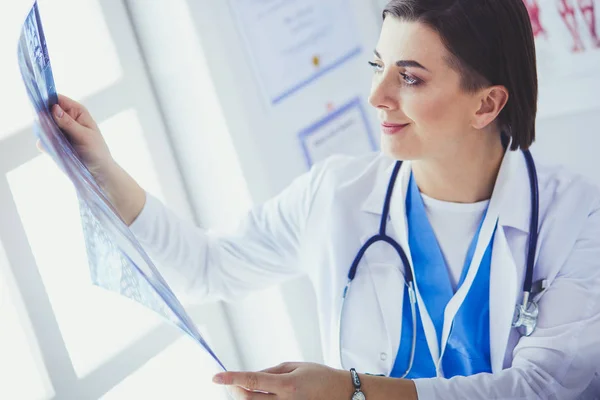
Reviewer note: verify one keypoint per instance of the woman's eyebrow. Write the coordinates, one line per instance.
(405, 63)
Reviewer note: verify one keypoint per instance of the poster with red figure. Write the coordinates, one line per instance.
(578, 17)
(567, 38)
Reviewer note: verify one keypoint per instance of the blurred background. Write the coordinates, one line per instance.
(213, 106)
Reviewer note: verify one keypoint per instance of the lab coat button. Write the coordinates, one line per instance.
(383, 356)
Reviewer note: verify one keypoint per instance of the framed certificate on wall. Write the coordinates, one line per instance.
(343, 131)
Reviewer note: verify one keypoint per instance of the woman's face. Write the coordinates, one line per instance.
(425, 114)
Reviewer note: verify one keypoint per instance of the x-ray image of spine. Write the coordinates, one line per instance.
(572, 12)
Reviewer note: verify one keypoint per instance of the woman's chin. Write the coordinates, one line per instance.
(397, 149)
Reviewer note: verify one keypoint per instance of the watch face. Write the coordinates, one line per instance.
(359, 396)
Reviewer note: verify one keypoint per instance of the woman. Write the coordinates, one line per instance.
(455, 87)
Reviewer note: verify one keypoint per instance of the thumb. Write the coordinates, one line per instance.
(73, 129)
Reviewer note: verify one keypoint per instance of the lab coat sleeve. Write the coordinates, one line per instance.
(562, 356)
(203, 266)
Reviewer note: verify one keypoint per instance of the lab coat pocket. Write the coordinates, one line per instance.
(388, 282)
(368, 313)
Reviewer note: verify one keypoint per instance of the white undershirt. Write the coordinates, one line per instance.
(454, 225)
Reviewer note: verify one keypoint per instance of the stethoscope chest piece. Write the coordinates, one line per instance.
(525, 318)
(526, 314)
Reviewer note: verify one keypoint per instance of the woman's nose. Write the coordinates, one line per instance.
(382, 96)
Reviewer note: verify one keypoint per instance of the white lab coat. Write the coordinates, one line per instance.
(320, 221)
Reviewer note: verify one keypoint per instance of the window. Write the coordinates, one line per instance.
(27, 373)
(182, 365)
(67, 338)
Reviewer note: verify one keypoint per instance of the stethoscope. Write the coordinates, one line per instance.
(526, 313)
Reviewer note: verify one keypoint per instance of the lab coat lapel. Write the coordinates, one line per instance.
(386, 257)
(503, 296)
(384, 264)
(505, 275)
(366, 315)
(364, 337)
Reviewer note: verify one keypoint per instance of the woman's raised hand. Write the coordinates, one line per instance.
(85, 136)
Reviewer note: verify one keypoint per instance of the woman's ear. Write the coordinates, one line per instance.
(491, 102)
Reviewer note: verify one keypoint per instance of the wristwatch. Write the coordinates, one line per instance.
(358, 394)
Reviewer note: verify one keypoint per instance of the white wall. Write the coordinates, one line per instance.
(571, 140)
(235, 151)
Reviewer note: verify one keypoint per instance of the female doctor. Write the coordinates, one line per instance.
(450, 266)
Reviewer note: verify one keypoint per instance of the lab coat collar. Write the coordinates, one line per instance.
(512, 185)
(374, 201)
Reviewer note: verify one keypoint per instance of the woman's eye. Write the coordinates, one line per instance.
(376, 67)
(409, 80)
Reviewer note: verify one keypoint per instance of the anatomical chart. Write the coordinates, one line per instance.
(567, 37)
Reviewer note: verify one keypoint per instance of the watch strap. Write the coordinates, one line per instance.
(358, 394)
(355, 379)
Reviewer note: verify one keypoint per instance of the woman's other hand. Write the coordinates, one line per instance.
(289, 381)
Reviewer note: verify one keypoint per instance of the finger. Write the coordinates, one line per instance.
(251, 380)
(283, 368)
(77, 111)
(240, 394)
(69, 125)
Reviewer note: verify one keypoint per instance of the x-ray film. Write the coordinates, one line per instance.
(117, 261)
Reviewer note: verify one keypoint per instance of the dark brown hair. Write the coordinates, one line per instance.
(491, 43)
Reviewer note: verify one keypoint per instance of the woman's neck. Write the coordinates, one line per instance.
(466, 176)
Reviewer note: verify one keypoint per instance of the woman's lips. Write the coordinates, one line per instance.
(392, 129)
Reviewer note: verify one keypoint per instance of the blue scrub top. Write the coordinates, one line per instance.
(468, 347)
